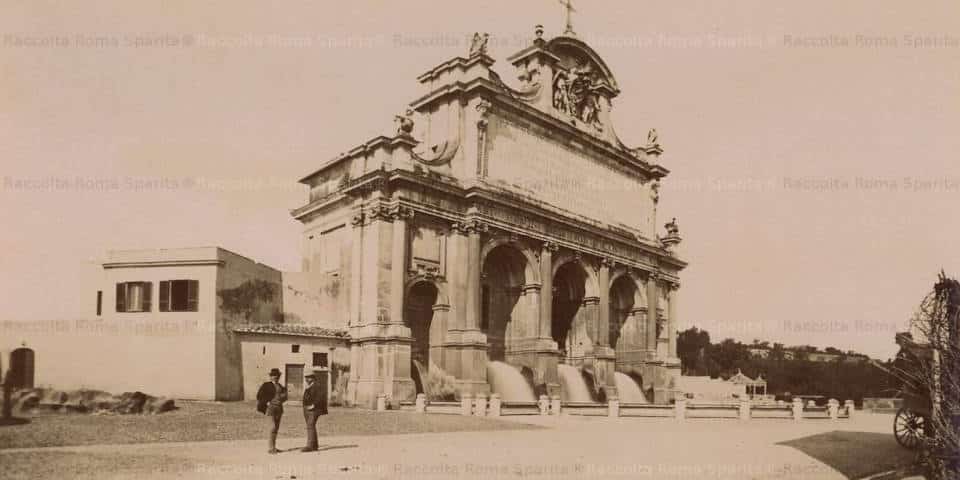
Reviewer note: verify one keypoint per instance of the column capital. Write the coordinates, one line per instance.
(653, 276)
(608, 262)
(378, 212)
(357, 220)
(467, 227)
(549, 246)
(400, 212)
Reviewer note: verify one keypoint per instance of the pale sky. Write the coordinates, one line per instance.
(796, 134)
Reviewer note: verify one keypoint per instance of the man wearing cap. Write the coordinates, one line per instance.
(270, 400)
(314, 405)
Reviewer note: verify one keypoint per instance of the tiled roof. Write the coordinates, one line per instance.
(287, 329)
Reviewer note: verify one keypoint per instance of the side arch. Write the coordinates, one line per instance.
(530, 271)
(591, 286)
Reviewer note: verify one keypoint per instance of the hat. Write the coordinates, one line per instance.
(274, 372)
(313, 374)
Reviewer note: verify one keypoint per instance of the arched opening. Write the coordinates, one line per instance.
(502, 283)
(623, 294)
(418, 315)
(568, 294)
(21, 374)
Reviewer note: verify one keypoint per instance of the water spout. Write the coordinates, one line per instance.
(506, 380)
(627, 389)
(573, 387)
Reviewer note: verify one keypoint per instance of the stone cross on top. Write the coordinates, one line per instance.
(568, 6)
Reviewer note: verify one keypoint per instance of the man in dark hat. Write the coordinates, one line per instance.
(270, 400)
(314, 405)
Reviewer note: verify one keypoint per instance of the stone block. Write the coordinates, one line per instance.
(495, 405)
(544, 404)
(680, 409)
(850, 406)
(555, 407)
(745, 410)
(480, 406)
(466, 404)
(421, 403)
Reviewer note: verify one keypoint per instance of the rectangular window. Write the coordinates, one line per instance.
(99, 302)
(178, 295)
(295, 348)
(134, 296)
(320, 359)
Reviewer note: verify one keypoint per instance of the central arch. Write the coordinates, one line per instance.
(503, 276)
(569, 325)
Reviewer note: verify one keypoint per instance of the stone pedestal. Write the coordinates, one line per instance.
(602, 362)
(541, 356)
(495, 405)
(381, 356)
(464, 355)
(850, 407)
(480, 405)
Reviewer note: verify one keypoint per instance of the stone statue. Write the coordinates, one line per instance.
(672, 228)
(655, 190)
(478, 46)
(405, 123)
(561, 100)
(652, 137)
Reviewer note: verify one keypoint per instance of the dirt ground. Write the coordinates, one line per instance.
(539, 447)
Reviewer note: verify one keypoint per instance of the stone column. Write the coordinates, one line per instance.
(603, 323)
(354, 285)
(546, 291)
(465, 350)
(398, 261)
(472, 317)
(672, 321)
(652, 301)
(356, 265)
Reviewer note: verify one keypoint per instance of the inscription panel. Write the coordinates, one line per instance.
(553, 230)
(529, 163)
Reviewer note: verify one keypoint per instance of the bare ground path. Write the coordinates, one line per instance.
(570, 447)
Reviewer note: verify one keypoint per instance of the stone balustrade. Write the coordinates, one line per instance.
(493, 406)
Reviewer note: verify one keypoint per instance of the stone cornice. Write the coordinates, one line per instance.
(319, 204)
(165, 263)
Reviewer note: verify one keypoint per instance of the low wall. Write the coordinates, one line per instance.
(483, 406)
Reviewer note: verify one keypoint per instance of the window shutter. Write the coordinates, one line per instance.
(121, 297)
(147, 289)
(193, 287)
(165, 295)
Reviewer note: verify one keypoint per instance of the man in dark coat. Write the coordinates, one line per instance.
(270, 400)
(314, 405)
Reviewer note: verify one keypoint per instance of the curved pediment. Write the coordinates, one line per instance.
(576, 57)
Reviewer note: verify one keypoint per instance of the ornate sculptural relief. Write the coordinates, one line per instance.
(574, 94)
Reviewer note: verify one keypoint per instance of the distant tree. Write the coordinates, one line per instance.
(835, 351)
(692, 344)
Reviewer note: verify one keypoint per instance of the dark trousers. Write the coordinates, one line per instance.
(274, 415)
(311, 417)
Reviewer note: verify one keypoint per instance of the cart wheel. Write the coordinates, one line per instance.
(908, 428)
